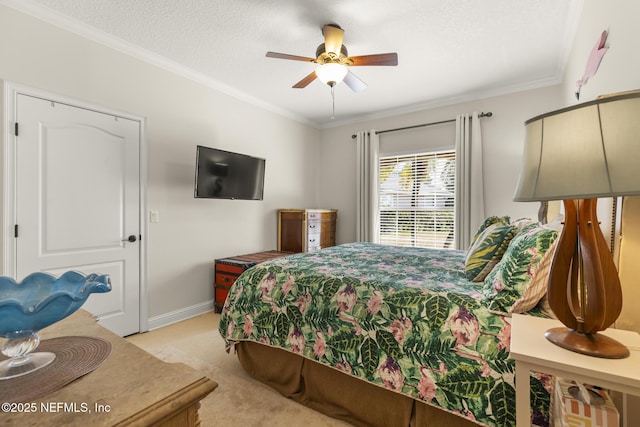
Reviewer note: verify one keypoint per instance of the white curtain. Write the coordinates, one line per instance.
(368, 154)
(469, 183)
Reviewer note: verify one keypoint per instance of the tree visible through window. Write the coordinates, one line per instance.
(417, 199)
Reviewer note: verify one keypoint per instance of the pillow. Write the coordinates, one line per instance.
(487, 250)
(518, 282)
(556, 224)
(537, 288)
(522, 223)
(490, 220)
(545, 308)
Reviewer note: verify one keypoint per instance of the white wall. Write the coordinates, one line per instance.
(502, 138)
(620, 68)
(180, 115)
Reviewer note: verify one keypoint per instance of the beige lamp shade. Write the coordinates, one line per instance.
(590, 150)
(579, 154)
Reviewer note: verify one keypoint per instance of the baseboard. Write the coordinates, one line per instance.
(179, 315)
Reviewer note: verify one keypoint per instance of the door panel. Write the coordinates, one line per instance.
(77, 176)
(99, 181)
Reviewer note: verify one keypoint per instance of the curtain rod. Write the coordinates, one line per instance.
(378, 132)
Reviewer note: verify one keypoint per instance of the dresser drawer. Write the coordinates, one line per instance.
(227, 280)
(236, 269)
(318, 241)
(225, 277)
(313, 215)
(313, 241)
(314, 227)
(221, 296)
(327, 240)
(317, 215)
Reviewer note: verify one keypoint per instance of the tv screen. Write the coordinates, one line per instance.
(225, 175)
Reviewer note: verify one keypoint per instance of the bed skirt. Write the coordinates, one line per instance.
(338, 395)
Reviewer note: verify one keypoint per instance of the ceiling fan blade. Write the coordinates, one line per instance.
(354, 82)
(287, 56)
(379, 59)
(333, 36)
(305, 82)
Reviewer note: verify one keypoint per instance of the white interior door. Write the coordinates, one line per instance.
(78, 201)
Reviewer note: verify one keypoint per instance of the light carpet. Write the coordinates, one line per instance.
(239, 400)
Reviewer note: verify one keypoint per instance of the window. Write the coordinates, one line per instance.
(416, 196)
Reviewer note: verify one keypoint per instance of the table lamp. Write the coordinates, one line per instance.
(578, 154)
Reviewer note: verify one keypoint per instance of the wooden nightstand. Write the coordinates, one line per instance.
(227, 271)
(532, 352)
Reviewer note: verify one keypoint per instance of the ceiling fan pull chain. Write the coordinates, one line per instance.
(333, 103)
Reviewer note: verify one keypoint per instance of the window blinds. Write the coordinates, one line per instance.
(417, 199)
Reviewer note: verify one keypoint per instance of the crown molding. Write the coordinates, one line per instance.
(66, 23)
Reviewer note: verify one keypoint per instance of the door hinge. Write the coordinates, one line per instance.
(15, 230)
(15, 129)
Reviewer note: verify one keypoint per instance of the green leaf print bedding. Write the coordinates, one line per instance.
(405, 319)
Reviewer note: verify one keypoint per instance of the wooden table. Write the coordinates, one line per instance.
(131, 387)
(533, 352)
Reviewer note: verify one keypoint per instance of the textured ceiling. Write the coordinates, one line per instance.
(448, 51)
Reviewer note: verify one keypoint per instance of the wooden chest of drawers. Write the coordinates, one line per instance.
(306, 230)
(227, 271)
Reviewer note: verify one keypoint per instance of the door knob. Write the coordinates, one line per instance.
(131, 239)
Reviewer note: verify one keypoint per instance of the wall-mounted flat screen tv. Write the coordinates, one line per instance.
(225, 175)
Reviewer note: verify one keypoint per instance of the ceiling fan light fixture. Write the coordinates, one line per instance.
(332, 73)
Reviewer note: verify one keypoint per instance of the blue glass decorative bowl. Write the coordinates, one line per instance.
(37, 302)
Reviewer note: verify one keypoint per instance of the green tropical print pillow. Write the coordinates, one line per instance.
(487, 251)
(488, 221)
(508, 281)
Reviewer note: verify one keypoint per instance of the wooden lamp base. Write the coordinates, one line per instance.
(584, 288)
(597, 345)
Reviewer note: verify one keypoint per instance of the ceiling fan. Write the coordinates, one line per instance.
(333, 61)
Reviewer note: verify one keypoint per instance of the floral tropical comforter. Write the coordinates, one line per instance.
(405, 319)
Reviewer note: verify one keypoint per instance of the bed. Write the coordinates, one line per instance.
(391, 336)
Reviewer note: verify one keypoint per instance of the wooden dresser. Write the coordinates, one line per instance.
(228, 270)
(132, 387)
(306, 230)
